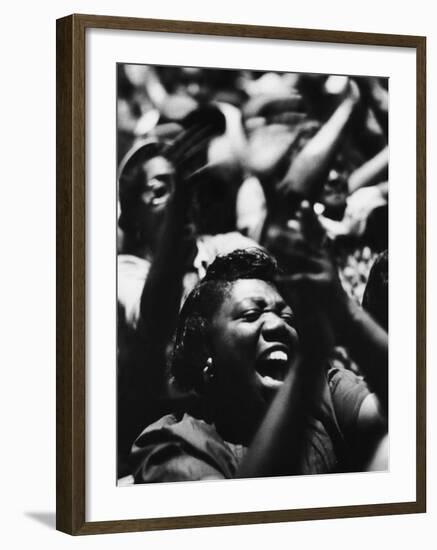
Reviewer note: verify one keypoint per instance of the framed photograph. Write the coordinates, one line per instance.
(230, 346)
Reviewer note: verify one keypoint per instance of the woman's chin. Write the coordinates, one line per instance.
(269, 386)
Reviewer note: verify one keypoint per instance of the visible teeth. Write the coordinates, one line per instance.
(277, 355)
(269, 382)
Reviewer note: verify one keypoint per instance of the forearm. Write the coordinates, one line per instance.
(312, 162)
(143, 380)
(379, 101)
(372, 170)
(278, 443)
(162, 293)
(368, 346)
(155, 90)
(379, 457)
(383, 188)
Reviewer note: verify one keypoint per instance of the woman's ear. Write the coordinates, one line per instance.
(208, 372)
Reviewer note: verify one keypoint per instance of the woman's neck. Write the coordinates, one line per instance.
(136, 248)
(237, 419)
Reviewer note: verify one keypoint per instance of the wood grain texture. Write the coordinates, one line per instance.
(71, 252)
(246, 518)
(246, 31)
(421, 274)
(70, 283)
(64, 447)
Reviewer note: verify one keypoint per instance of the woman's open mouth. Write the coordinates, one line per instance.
(274, 363)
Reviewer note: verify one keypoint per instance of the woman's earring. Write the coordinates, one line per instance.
(208, 371)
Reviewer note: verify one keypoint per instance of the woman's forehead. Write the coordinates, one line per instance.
(254, 290)
(157, 166)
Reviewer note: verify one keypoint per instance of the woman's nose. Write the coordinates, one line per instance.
(274, 324)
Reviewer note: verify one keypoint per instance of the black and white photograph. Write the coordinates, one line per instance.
(202, 202)
(252, 274)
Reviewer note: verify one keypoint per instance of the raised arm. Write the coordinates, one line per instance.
(377, 97)
(162, 291)
(278, 446)
(313, 272)
(144, 380)
(367, 343)
(311, 163)
(372, 171)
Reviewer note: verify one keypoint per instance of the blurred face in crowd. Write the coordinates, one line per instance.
(158, 173)
(253, 339)
(158, 180)
(158, 177)
(335, 189)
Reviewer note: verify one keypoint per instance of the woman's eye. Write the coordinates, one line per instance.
(288, 318)
(251, 315)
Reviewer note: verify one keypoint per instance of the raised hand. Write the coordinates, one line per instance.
(188, 152)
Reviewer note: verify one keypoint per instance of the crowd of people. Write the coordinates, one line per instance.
(252, 285)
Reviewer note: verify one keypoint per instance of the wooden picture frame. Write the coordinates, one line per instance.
(71, 272)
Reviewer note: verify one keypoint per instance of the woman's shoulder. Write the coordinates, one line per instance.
(348, 390)
(184, 426)
(185, 439)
